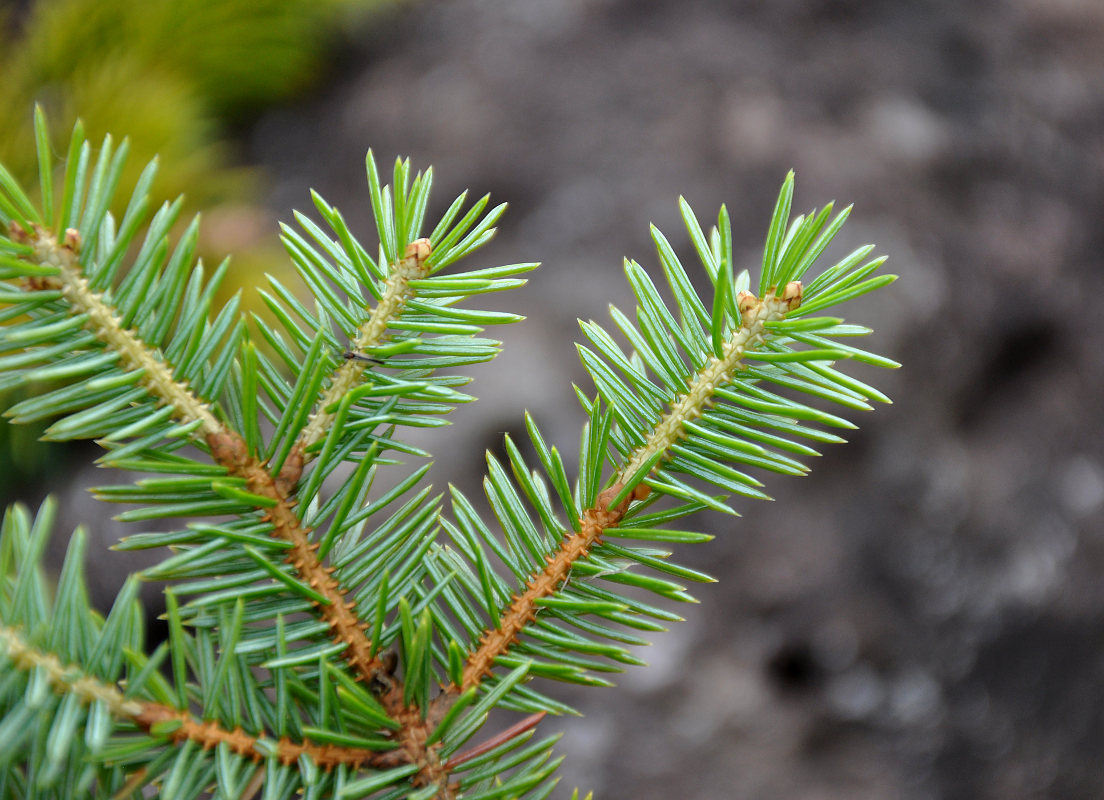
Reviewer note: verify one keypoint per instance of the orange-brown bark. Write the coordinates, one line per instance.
(210, 734)
(496, 641)
(229, 450)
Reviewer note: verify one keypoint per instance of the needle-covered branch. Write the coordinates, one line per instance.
(613, 502)
(177, 726)
(705, 409)
(53, 266)
(371, 335)
(324, 639)
(227, 448)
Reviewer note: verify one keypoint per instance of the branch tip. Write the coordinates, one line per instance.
(419, 249)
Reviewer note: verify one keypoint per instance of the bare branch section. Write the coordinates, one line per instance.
(412, 738)
(69, 679)
(515, 730)
(210, 734)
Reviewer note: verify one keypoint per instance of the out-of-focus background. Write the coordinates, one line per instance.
(923, 616)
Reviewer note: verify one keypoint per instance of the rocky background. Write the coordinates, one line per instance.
(923, 616)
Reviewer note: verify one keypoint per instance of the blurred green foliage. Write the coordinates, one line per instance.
(175, 76)
(168, 72)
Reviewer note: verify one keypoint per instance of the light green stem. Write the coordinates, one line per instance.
(67, 679)
(102, 320)
(396, 293)
(754, 314)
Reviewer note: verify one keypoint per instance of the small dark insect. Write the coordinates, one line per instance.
(352, 355)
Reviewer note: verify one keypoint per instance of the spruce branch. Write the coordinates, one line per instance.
(179, 726)
(134, 706)
(60, 270)
(707, 404)
(318, 626)
(416, 327)
(523, 609)
(371, 335)
(227, 448)
(67, 679)
(330, 600)
(755, 314)
(614, 501)
(258, 485)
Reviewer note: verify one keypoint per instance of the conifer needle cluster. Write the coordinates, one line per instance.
(332, 639)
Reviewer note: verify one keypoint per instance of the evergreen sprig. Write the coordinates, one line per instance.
(330, 640)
